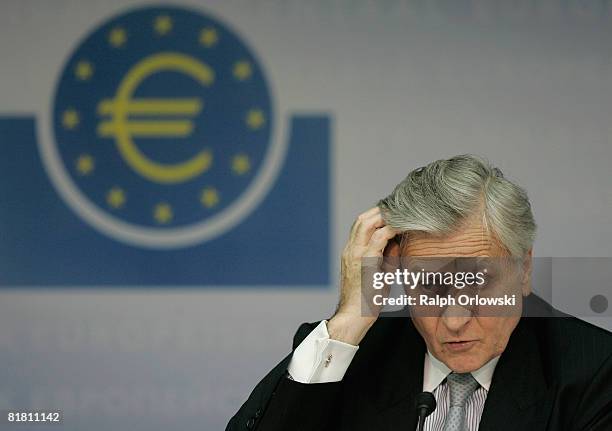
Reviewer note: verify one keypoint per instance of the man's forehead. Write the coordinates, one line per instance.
(473, 239)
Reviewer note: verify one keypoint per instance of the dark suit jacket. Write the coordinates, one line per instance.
(555, 374)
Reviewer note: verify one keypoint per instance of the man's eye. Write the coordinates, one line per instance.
(433, 288)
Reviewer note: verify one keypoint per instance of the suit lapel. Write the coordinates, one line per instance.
(400, 382)
(519, 397)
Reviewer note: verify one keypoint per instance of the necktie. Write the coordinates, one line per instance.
(460, 386)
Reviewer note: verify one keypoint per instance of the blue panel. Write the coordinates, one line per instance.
(285, 241)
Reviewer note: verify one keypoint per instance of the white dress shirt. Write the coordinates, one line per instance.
(319, 359)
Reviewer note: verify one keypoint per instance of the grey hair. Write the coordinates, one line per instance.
(438, 197)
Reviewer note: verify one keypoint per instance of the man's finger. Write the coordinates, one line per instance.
(379, 240)
(365, 228)
(361, 217)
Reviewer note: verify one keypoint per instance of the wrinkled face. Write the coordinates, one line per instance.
(459, 338)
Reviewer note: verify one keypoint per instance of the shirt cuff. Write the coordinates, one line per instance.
(318, 359)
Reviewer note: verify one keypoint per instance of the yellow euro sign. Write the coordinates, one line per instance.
(124, 130)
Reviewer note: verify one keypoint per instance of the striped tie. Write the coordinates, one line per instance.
(461, 386)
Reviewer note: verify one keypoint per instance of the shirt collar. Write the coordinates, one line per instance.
(435, 371)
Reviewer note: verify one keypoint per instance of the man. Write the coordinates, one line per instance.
(487, 372)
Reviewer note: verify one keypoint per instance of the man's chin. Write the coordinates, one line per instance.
(464, 362)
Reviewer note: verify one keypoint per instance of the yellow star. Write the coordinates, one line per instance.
(83, 70)
(162, 213)
(70, 119)
(255, 119)
(209, 37)
(242, 70)
(209, 197)
(115, 197)
(241, 164)
(162, 25)
(117, 37)
(85, 164)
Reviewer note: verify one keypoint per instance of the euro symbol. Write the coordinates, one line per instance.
(123, 129)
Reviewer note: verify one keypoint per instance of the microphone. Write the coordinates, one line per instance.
(425, 405)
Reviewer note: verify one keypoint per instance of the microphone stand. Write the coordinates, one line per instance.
(425, 405)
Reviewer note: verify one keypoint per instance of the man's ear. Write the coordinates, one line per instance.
(527, 269)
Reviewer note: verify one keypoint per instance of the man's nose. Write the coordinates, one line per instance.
(456, 317)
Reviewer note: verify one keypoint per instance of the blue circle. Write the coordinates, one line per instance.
(92, 76)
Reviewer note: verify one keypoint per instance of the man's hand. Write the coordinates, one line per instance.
(369, 237)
